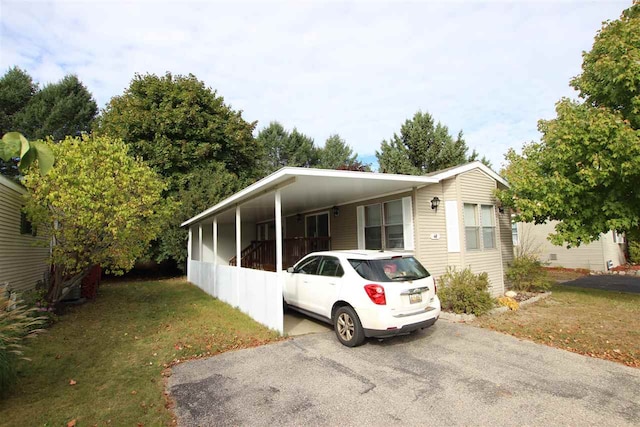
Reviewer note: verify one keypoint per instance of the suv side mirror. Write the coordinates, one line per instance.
(290, 270)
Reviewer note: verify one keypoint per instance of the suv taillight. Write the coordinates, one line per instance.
(376, 293)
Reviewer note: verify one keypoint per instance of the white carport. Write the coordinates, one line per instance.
(220, 232)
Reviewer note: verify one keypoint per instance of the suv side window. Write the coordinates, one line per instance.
(331, 267)
(310, 266)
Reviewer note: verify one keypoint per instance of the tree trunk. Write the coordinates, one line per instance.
(61, 284)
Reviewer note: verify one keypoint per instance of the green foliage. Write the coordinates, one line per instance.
(465, 292)
(15, 145)
(633, 242)
(336, 154)
(17, 322)
(586, 169)
(526, 274)
(65, 108)
(284, 148)
(99, 204)
(184, 131)
(423, 146)
(611, 70)
(16, 90)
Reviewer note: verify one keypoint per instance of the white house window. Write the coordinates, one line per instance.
(372, 227)
(393, 228)
(471, 227)
(514, 233)
(488, 227)
(618, 237)
(388, 225)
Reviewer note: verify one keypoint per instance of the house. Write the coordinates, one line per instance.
(602, 255)
(238, 249)
(23, 253)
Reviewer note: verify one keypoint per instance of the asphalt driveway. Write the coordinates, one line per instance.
(608, 283)
(450, 374)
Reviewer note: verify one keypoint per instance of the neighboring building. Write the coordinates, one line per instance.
(238, 248)
(23, 253)
(601, 255)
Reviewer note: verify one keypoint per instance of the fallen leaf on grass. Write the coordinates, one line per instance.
(134, 392)
(72, 423)
(73, 382)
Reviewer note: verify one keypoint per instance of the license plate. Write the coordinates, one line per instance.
(415, 298)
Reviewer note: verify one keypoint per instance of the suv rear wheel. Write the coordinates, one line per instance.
(347, 326)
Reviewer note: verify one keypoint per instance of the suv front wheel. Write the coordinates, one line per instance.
(347, 326)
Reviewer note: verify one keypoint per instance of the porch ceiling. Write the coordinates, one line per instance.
(304, 190)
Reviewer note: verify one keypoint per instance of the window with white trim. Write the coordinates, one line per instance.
(514, 233)
(618, 237)
(488, 221)
(471, 227)
(387, 225)
(479, 227)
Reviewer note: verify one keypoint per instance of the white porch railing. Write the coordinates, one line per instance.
(255, 292)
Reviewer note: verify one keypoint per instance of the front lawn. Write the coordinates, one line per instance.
(114, 351)
(597, 323)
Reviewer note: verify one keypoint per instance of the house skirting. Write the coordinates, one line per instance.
(256, 293)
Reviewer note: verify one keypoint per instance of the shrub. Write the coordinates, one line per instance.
(17, 322)
(508, 302)
(526, 274)
(633, 241)
(465, 292)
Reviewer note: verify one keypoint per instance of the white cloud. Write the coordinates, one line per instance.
(358, 69)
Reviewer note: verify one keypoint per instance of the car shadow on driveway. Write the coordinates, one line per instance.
(607, 282)
(449, 374)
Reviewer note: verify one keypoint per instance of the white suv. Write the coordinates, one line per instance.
(363, 293)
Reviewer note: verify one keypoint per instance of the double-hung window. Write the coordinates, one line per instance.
(386, 225)
(471, 227)
(488, 221)
(479, 228)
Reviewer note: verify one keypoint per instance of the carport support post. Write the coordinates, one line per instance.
(278, 215)
(189, 243)
(279, 277)
(200, 245)
(238, 252)
(215, 256)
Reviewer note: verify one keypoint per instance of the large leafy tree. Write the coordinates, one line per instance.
(99, 204)
(585, 171)
(186, 132)
(422, 146)
(16, 90)
(65, 108)
(336, 154)
(284, 148)
(57, 110)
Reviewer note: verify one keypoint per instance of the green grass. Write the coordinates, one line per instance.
(116, 349)
(597, 323)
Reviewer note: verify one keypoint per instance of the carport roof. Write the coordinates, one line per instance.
(304, 189)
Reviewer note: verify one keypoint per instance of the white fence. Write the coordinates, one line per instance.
(255, 292)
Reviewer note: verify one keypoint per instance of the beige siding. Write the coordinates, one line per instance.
(431, 250)
(506, 239)
(612, 250)
(22, 261)
(592, 256)
(344, 227)
(478, 188)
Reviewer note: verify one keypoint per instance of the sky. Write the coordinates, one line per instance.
(359, 69)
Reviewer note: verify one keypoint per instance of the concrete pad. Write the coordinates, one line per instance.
(298, 324)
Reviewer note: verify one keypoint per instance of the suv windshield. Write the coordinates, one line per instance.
(396, 269)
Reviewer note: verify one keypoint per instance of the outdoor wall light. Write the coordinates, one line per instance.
(435, 202)
(336, 211)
